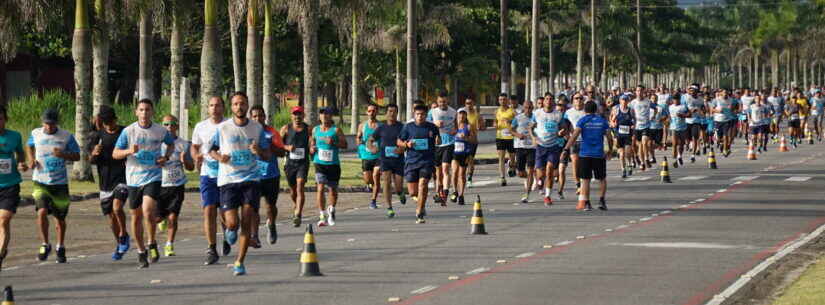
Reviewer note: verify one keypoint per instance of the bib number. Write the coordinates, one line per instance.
(325, 155)
(421, 144)
(145, 157)
(459, 147)
(5, 166)
(54, 164)
(241, 157)
(389, 152)
(263, 167)
(624, 129)
(297, 153)
(173, 174)
(506, 133)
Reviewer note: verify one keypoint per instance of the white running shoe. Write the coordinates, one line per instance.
(331, 213)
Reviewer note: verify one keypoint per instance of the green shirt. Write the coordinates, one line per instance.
(10, 143)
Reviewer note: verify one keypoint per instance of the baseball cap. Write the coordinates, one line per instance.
(297, 109)
(327, 110)
(50, 116)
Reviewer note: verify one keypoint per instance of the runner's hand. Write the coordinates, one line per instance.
(288, 148)
(134, 150)
(97, 150)
(22, 167)
(225, 159)
(254, 148)
(161, 161)
(34, 164)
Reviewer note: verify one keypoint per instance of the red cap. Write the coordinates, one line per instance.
(297, 109)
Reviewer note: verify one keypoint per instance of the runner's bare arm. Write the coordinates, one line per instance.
(341, 140)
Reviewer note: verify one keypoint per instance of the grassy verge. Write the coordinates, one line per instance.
(808, 289)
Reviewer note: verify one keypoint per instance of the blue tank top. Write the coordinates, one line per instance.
(462, 147)
(326, 154)
(363, 152)
(623, 121)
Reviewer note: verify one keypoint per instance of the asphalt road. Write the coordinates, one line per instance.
(677, 243)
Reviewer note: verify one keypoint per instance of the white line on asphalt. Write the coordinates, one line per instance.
(654, 214)
(644, 219)
(685, 245)
(12, 268)
(453, 277)
(742, 281)
(721, 191)
(526, 254)
(638, 179)
(632, 221)
(564, 243)
(608, 230)
(424, 289)
(483, 183)
(693, 178)
(621, 227)
(684, 206)
(744, 178)
(478, 270)
(798, 179)
(580, 237)
(700, 200)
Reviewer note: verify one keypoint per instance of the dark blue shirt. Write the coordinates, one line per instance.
(422, 152)
(386, 137)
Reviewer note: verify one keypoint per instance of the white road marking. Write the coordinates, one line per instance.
(501, 261)
(547, 246)
(394, 299)
(155, 282)
(527, 254)
(684, 206)
(682, 245)
(564, 243)
(483, 183)
(12, 268)
(664, 212)
(622, 227)
(644, 219)
(424, 289)
(693, 178)
(632, 221)
(351, 240)
(453, 277)
(608, 230)
(654, 215)
(638, 179)
(478, 270)
(744, 178)
(580, 237)
(798, 179)
(700, 200)
(722, 191)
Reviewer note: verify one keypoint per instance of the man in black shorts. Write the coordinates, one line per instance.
(12, 162)
(112, 177)
(296, 142)
(270, 176)
(392, 156)
(173, 185)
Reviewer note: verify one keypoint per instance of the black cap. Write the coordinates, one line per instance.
(50, 116)
(327, 110)
(106, 113)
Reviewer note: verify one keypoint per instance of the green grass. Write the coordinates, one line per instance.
(808, 289)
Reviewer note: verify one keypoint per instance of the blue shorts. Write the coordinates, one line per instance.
(546, 155)
(420, 172)
(235, 195)
(394, 166)
(210, 194)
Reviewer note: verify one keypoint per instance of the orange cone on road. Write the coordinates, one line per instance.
(783, 144)
(751, 152)
(309, 257)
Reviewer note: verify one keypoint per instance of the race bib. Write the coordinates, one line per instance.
(5, 166)
(145, 157)
(54, 164)
(550, 127)
(263, 166)
(389, 152)
(173, 174)
(297, 153)
(212, 165)
(446, 138)
(459, 147)
(506, 133)
(624, 129)
(241, 157)
(325, 155)
(421, 144)
(527, 141)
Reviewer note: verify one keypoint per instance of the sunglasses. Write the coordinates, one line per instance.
(170, 123)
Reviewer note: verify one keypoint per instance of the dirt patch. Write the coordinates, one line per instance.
(771, 283)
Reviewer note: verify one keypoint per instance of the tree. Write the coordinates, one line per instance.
(235, 11)
(505, 51)
(306, 14)
(534, 53)
(412, 55)
(268, 85)
(253, 54)
(211, 68)
(81, 53)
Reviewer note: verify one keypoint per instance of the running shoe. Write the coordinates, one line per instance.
(273, 233)
(169, 250)
(226, 247)
(653, 160)
(437, 198)
(230, 236)
(461, 200)
(331, 212)
(454, 197)
(123, 245)
(630, 171)
(43, 252)
(296, 221)
(414, 198)
(681, 162)
(211, 256)
(373, 204)
(525, 198)
(369, 188)
(675, 164)
(587, 206)
(547, 201)
(322, 222)
(402, 198)
(419, 219)
(624, 175)
(154, 254)
(116, 255)
(61, 255)
(503, 181)
(239, 269)
(143, 261)
(602, 205)
(511, 172)
(693, 159)
(163, 225)
(390, 213)
(561, 195)
(2, 258)
(254, 242)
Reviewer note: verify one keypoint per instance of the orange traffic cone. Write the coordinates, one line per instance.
(783, 144)
(751, 152)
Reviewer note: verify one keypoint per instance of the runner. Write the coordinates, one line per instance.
(663, 97)
(804, 113)
(778, 104)
(173, 185)
(296, 141)
(111, 177)
(548, 128)
(443, 117)
(270, 183)
(757, 112)
(722, 108)
(237, 144)
(593, 129)
(418, 139)
(327, 139)
(477, 122)
(817, 112)
(696, 125)
(12, 163)
(210, 194)
(642, 109)
(391, 156)
(369, 160)
(464, 137)
(622, 122)
(561, 107)
(678, 128)
(657, 125)
(140, 144)
(573, 115)
(504, 140)
(792, 111)
(525, 146)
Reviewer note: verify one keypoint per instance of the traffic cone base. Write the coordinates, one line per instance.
(309, 257)
(665, 173)
(477, 222)
(8, 296)
(783, 144)
(751, 152)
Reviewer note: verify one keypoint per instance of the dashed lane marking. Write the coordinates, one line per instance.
(798, 179)
(478, 270)
(424, 289)
(692, 178)
(744, 178)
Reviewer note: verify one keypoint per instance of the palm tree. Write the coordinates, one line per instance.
(534, 53)
(505, 48)
(211, 68)
(145, 11)
(104, 11)
(235, 11)
(253, 54)
(412, 55)
(306, 13)
(268, 62)
(173, 14)
(81, 49)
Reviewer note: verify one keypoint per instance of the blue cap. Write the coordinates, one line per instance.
(327, 110)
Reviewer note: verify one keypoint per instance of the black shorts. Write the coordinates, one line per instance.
(269, 189)
(136, 194)
(328, 175)
(235, 195)
(525, 157)
(444, 154)
(656, 136)
(502, 144)
(759, 129)
(624, 141)
(590, 168)
(461, 159)
(473, 149)
(420, 172)
(394, 166)
(121, 192)
(722, 128)
(171, 200)
(794, 123)
(369, 165)
(10, 198)
(682, 135)
(295, 170)
(639, 133)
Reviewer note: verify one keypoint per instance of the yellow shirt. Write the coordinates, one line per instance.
(473, 118)
(503, 120)
(804, 107)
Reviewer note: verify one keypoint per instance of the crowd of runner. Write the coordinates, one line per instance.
(143, 166)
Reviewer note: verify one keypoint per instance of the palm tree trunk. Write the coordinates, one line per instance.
(176, 65)
(402, 113)
(211, 67)
(639, 41)
(550, 60)
(236, 48)
(774, 68)
(253, 55)
(353, 128)
(81, 47)
(412, 56)
(309, 35)
(269, 63)
(534, 53)
(505, 47)
(593, 42)
(100, 55)
(145, 67)
(579, 61)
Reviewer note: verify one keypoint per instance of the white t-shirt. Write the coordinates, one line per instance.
(52, 170)
(642, 110)
(142, 167)
(234, 140)
(173, 172)
(547, 127)
(521, 123)
(202, 135)
(574, 116)
(448, 118)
